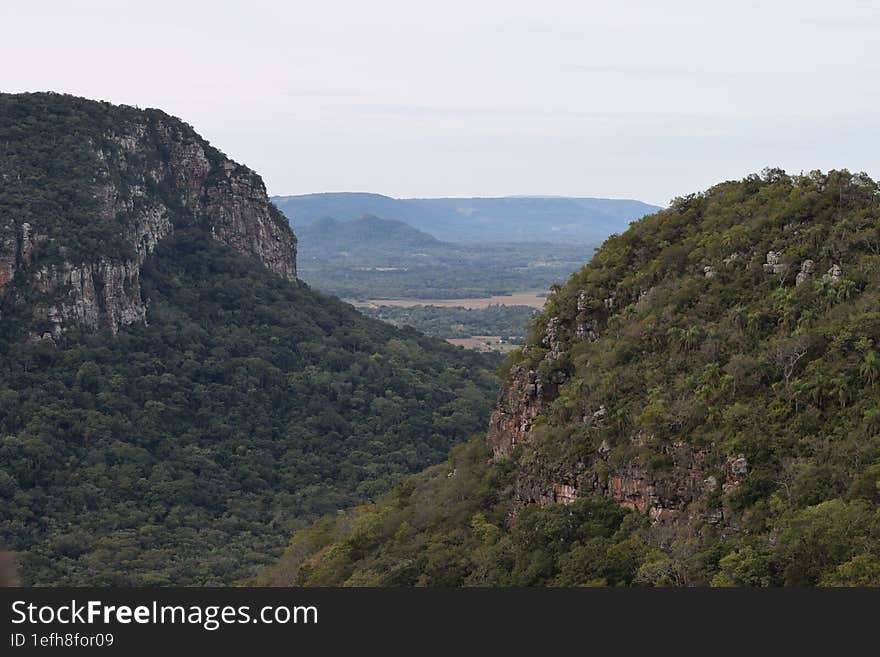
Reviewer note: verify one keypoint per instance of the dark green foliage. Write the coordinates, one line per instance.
(447, 527)
(744, 359)
(187, 451)
(47, 170)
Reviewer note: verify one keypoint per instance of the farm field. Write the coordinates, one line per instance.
(484, 343)
(530, 299)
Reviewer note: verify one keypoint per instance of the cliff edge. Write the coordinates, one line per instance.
(89, 189)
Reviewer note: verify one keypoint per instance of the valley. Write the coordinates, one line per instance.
(393, 271)
(696, 406)
(463, 322)
(527, 299)
(460, 325)
(183, 393)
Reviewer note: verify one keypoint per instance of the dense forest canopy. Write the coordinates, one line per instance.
(183, 403)
(185, 451)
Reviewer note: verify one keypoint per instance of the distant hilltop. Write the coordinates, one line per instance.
(485, 220)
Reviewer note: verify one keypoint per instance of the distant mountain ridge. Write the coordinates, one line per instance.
(368, 230)
(376, 258)
(488, 220)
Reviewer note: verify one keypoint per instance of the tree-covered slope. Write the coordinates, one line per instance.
(448, 526)
(714, 372)
(173, 401)
(88, 191)
(369, 233)
(187, 450)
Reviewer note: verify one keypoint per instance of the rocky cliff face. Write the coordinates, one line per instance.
(147, 174)
(522, 399)
(675, 492)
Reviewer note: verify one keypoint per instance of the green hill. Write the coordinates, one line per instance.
(368, 232)
(700, 404)
(173, 401)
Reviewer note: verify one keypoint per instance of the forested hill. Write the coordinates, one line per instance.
(375, 258)
(700, 404)
(173, 402)
(368, 232)
(478, 220)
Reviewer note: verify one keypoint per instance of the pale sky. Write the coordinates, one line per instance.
(638, 99)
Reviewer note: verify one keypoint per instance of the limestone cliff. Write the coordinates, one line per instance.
(72, 256)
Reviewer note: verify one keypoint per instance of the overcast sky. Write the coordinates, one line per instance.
(643, 99)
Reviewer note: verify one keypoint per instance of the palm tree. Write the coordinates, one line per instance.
(843, 388)
(692, 337)
(825, 289)
(816, 389)
(845, 290)
(870, 369)
(739, 316)
(799, 389)
(755, 321)
(676, 336)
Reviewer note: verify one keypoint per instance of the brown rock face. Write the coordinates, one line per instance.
(7, 271)
(172, 178)
(524, 398)
(671, 483)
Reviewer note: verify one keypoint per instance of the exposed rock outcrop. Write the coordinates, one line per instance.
(151, 173)
(834, 273)
(527, 395)
(808, 267)
(668, 494)
(774, 264)
(520, 401)
(92, 293)
(674, 487)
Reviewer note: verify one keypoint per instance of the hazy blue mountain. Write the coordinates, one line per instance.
(368, 231)
(370, 258)
(507, 219)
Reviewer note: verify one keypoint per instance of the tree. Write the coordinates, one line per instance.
(746, 567)
(861, 570)
(870, 368)
(787, 353)
(819, 538)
